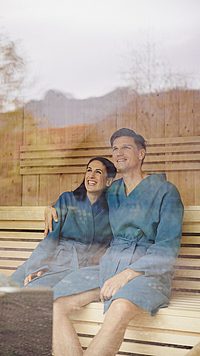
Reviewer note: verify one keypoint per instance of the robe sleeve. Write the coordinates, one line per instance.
(43, 253)
(161, 255)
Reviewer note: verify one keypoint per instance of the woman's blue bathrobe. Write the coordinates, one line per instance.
(146, 226)
(79, 239)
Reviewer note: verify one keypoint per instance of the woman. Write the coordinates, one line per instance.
(79, 238)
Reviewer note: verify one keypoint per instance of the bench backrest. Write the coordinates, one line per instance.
(163, 154)
(187, 273)
(21, 229)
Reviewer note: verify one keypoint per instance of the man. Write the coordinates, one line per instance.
(145, 213)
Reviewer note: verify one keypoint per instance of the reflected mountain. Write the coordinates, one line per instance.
(57, 109)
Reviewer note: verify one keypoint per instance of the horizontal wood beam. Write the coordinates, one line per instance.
(173, 154)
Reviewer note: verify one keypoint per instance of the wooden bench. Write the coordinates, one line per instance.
(173, 331)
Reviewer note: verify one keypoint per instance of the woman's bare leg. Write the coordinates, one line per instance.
(65, 339)
(108, 340)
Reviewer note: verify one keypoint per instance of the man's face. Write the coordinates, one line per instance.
(126, 155)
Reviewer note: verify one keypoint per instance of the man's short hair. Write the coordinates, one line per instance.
(139, 140)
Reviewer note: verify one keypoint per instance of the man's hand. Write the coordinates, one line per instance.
(50, 214)
(113, 284)
(31, 276)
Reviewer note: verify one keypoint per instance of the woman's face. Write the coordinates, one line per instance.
(96, 179)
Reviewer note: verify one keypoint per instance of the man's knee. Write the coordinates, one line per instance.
(64, 306)
(123, 308)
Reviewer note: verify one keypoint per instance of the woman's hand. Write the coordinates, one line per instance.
(50, 214)
(113, 284)
(31, 276)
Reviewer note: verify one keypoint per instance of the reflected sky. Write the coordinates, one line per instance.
(83, 47)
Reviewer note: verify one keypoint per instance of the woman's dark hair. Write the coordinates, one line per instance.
(80, 192)
(110, 168)
(139, 140)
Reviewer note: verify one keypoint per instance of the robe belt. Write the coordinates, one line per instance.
(129, 239)
(75, 261)
(118, 258)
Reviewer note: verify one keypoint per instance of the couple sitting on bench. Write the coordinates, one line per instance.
(113, 241)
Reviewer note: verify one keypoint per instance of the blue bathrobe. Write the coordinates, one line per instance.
(79, 239)
(146, 226)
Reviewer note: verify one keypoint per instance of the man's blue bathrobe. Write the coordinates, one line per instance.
(146, 226)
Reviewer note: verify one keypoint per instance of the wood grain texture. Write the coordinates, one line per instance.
(159, 116)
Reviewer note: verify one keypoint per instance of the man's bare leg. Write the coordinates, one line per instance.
(108, 340)
(65, 339)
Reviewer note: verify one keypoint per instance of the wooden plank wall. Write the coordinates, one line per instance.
(11, 138)
(169, 155)
(171, 114)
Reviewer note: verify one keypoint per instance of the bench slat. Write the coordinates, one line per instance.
(181, 284)
(148, 167)
(7, 272)
(55, 162)
(22, 213)
(17, 244)
(79, 161)
(188, 273)
(56, 154)
(140, 335)
(21, 235)
(107, 151)
(191, 251)
(188, 240)
(52, 170)
(22, 225)
(187, 262)
(15, 254)
(171, 166)
(191, 228)
(10, 263)
(141, 348)
(155, 335)
(173, 149)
